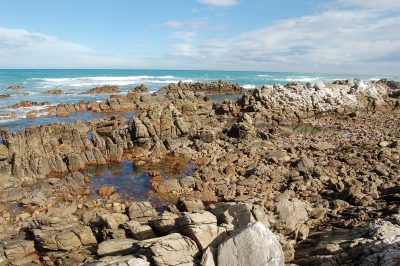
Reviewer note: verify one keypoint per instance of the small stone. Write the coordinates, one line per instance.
(106, 191)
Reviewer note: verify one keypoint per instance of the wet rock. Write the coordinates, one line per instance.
(103, 90)
(53, 92)
(106, 191)
(15, 87)
(255, 244)
(26, 104)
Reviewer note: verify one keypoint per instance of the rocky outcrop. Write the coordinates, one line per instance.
(15, 87)
(103, 90)
(53, 92)
(375, 244)
(58, 148)
(208, 88)
(296, 160)
(26, 104)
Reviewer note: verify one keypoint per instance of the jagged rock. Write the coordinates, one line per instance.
(138, 231)
(292, 213)
(230, 213)
(15, 87)
(190, 205)
(18, 249)
(141, 211)
(53, 92)
(253, 245)
(170, 250)
(104, 90)
(68, 239)
(202, 228)
(164, 224)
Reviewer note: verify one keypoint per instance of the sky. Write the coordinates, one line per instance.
(331, 36)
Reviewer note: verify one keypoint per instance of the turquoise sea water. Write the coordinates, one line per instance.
(74, 81)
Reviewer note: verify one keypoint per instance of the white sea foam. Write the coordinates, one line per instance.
(105, 80)
(302, 79)
(249, 86)
(264, 75)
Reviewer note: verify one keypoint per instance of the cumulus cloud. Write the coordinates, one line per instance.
(219, 3)
(333, 41)
(21, 48)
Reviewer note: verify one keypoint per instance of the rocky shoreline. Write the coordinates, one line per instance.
(301, 174)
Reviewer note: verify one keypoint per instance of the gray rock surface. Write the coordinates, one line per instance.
(254, 245)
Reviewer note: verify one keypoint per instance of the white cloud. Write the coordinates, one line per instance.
(174, 24)
(186, 36)
(21, 48)
(352, 41)
(219, 3)
(376, 5)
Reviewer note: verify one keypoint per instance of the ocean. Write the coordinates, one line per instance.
(75, 81)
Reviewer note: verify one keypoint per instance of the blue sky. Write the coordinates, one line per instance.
(342, 36)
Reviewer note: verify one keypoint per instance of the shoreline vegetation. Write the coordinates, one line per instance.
(301, 173)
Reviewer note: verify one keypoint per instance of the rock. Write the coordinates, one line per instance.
(4, 154)
(128, 260)
(141, 211)
(103, 90)
(138, 231)
(106, 191)
(164, 224)
(4, 96)
(202, 228)
(230, 213)
(31, 115)
(114, 247)
(53, 92)
(15, 87)
(68, 239)
(190, 205)
(292, 213)
(253, 245)
(26, 104)
(170, 250)
(17, 249)
(209, 257)
(304, 165)
(384, 143)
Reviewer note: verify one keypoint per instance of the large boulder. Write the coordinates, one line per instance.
(252, 246)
